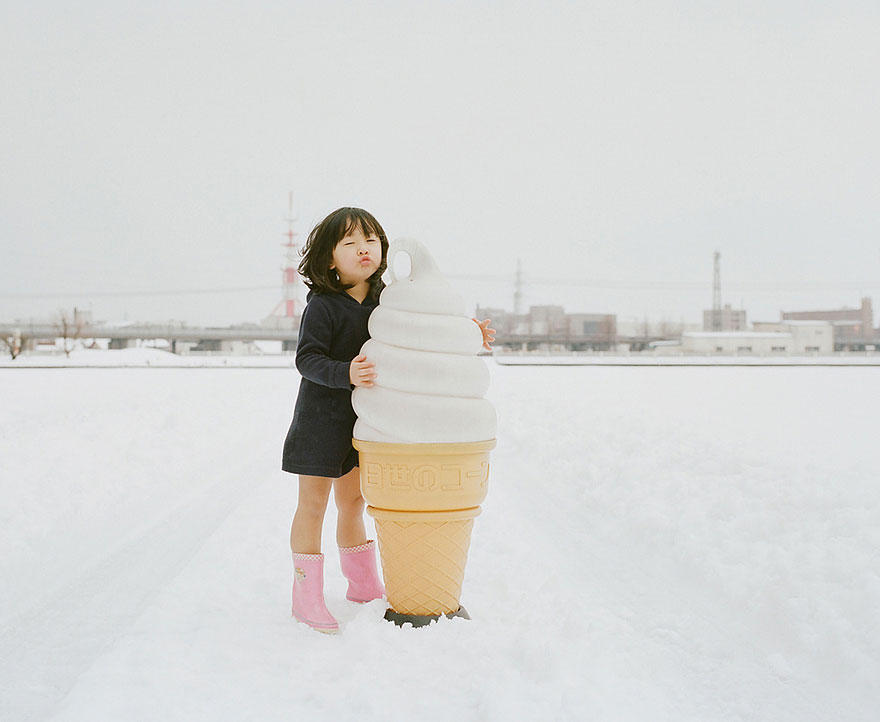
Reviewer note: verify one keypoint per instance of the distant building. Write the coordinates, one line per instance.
(853, 327)
(767, 339)
(807, 336)
(633, 328)
(725, 319)
(283, 323)
(549, 328)
(207, 347)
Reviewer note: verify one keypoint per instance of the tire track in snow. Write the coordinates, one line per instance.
(44, 651)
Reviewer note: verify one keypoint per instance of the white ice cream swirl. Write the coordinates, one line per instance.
(430, 383)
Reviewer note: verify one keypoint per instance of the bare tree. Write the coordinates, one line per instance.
(69, 328)
(13, 343)
(670, 329)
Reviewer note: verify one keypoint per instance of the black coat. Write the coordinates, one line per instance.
(331, 333)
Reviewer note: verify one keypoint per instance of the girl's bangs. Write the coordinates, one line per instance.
(358, 221)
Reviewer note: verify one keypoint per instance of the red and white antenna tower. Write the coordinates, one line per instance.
(291, 305)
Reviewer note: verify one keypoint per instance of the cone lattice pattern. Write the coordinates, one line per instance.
(423, 562)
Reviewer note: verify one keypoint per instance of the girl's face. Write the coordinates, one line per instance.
(357, 256)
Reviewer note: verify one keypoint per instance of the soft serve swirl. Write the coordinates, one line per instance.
(430, 383)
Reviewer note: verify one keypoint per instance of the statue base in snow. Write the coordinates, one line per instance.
(422, 620)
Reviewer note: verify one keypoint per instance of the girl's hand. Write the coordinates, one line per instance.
(488, 333)
(361, 372)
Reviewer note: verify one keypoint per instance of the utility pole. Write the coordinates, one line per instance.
(518, 289)
(290, 307)
(716, 294)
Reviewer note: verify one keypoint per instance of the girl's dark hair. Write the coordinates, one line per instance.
(317, 252)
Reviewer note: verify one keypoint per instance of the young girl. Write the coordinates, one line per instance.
(343, 262)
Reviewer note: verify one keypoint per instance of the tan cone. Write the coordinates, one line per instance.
(424, 498)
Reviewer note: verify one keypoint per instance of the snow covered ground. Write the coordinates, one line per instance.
(648, 359)
(658, 543)
(158, 358)
(145, 356)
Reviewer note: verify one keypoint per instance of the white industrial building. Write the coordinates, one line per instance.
(807, 336)
(768, 338)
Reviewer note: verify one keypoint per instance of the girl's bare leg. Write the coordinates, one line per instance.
(305, 532)
(350, 531)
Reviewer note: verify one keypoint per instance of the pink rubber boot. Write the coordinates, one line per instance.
(308, 593)
(359, 567)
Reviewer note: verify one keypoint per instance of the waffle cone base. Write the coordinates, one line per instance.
(423, 498)
(424, 555)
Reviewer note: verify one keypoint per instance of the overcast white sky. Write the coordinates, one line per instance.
(612, 146)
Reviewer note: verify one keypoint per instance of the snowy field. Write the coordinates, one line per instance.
(158, 358)
(657, 544)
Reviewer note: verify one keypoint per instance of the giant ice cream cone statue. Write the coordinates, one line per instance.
(424, 433)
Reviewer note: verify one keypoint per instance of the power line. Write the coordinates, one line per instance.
(675, 285)
(666, 285)
(177, 292)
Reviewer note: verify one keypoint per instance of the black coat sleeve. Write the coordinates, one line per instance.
(313, 349)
